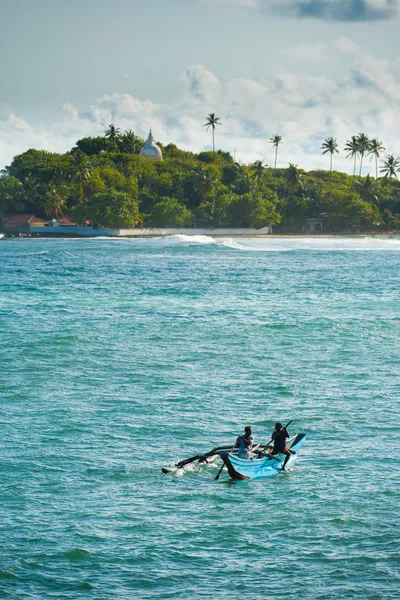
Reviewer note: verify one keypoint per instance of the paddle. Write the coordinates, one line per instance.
(223, 464)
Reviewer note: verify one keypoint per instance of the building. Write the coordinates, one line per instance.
(315, 225)
(150, 149)
(21, 224)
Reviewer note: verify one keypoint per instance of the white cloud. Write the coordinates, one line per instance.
(305, 52)
(303, 108)
(201, 84)
(345, 46)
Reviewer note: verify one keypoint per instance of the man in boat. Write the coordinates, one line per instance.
(244, 443)
(279, 436)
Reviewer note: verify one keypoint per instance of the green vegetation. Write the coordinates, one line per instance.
(105, 180)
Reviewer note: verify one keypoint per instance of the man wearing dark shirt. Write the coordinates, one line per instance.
(279, 437)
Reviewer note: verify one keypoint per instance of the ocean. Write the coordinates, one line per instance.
(121, 356)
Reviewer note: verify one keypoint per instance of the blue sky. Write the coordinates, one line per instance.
(306, 69)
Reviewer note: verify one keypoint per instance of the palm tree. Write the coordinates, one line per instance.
(351, 148)
(205, 184)
(368, 189)
(258, 172)
(32, 188)
(55, 202)
(275, 140)
(363, 147)
(82, 166)
(375, 148)
(243, 183)
(82, 170)
(330, 146)
(391, 167)
(34, 192)
(128, 142)
(294, 177)
(113, 134)
(212, 121)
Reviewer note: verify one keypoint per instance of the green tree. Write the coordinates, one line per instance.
(294, 211)
(168, 212)
(258, 172)
(275, 140)
(351, 148)
(375, 149)
(112, 209)
(33, 192)
(294, 178)
(130, 143)
(346, 211)
(81, 167)
(363, 147)
(368, 189)
(38, 164)
(390, 168)
(330, 146)
(254, 210)
(55, 202)
(205, 182)
(114, 135)
(94, 145)
(12, 195)
(212, 121)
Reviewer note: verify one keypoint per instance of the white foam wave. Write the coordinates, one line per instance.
(333, 244)
(197, 239)
(231, 243)
(289, 244)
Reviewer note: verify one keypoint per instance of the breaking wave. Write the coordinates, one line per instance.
(289, 244)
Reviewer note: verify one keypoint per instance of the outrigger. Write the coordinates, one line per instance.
(256, 467)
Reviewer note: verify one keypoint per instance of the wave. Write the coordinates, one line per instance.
(290, 244)
(207, 240)
(193, 239)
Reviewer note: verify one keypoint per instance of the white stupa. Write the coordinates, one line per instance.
(150, 149)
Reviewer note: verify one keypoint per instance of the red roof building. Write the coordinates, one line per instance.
(66, 222)
(20, 223)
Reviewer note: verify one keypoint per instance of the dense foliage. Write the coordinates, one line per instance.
(105, 180)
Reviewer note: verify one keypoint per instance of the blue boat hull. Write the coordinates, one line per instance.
(239, 468)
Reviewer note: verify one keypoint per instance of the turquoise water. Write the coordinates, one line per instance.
(118, 357)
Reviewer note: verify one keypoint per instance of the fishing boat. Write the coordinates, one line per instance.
(257, 468)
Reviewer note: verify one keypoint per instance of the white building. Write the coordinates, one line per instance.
(150, 149)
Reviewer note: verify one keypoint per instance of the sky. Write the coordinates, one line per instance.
(305, 69)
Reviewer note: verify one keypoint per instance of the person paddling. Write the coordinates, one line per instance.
(244, 443)
(279, 437)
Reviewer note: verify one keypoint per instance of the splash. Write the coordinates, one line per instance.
(196, 239)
